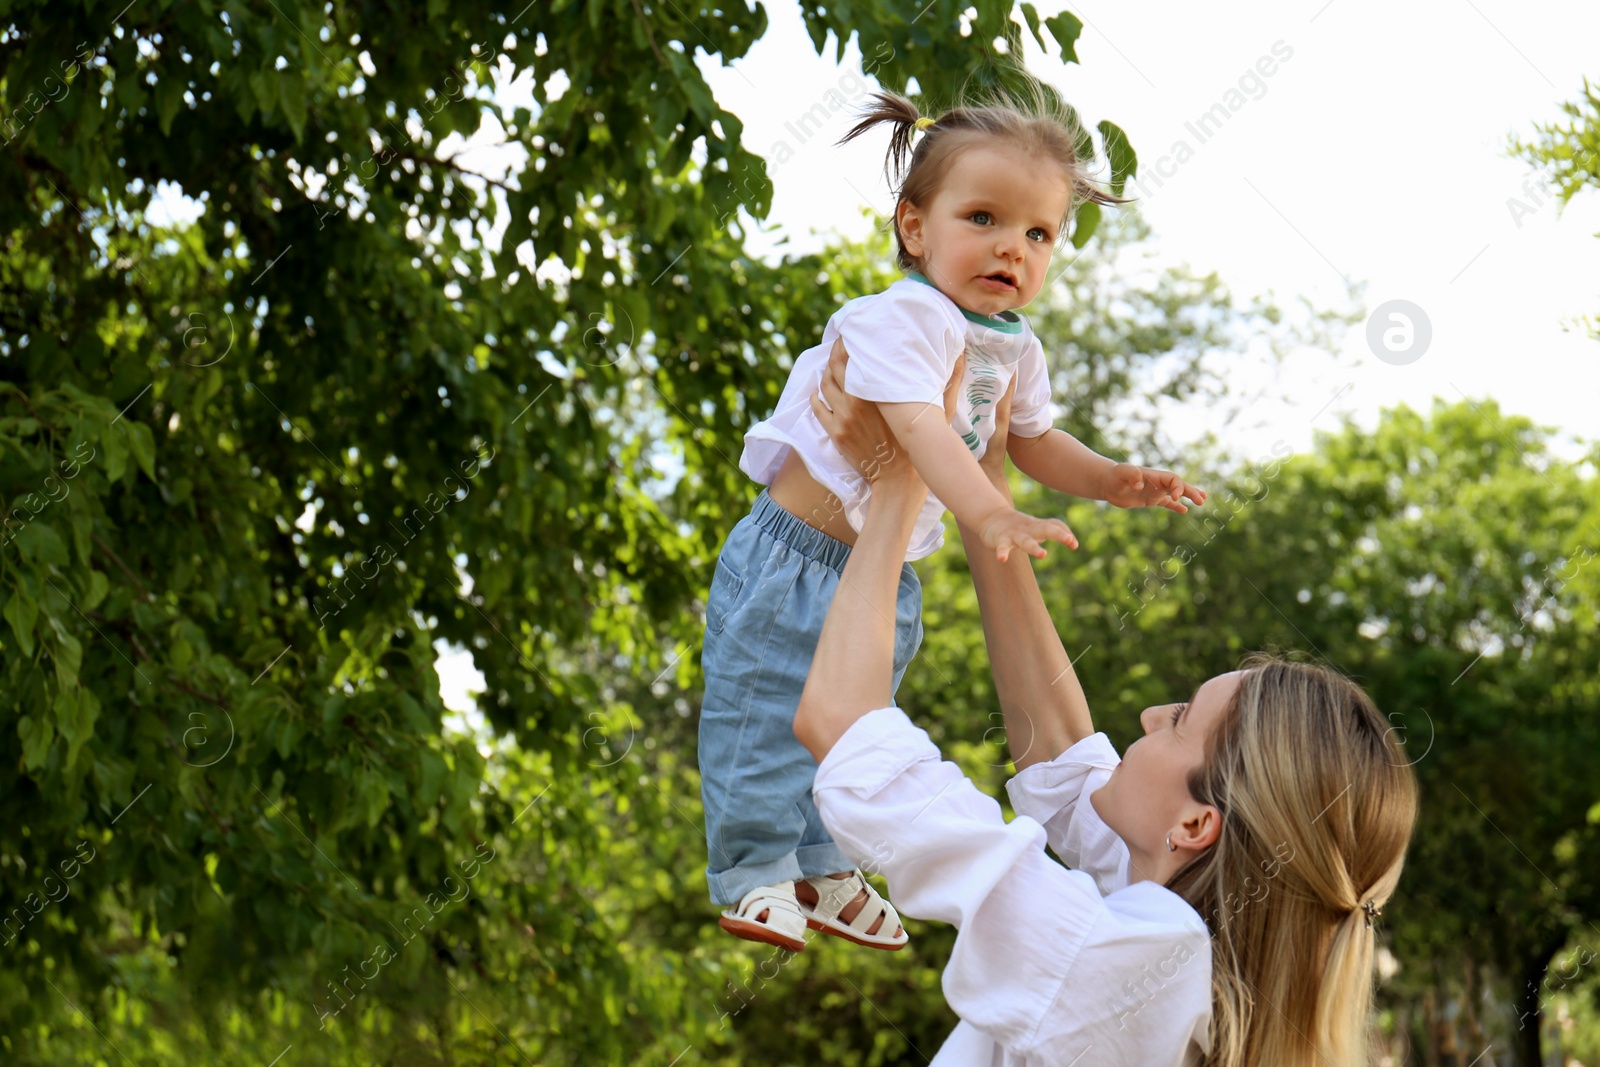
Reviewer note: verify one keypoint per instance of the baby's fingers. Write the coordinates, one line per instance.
(1020, 541)
(1056, 530)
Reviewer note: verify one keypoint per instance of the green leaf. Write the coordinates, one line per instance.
(433, 773)
(21, 612)
(414, 714)
(67, 653)
(38, 541)
(332, 711)
(292, 95)
(76, 711)
(98, 587)
(69, 659)
(1066, 28)
(266, 92)
(82, 531)
(116, 446)
(1124, 160)
(36, 735)
(126, 91)
(1031, 15)
(376, 793)
(1088, 222)
(666, 209)
(169, 98)
(210, 385)
(142, 443)
(288, 733)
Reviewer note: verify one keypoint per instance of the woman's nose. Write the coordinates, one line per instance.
(1148, 719)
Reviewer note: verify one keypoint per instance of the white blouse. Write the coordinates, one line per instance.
(1051, 966)
(903, 344)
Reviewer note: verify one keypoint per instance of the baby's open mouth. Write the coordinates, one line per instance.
(1003, 277)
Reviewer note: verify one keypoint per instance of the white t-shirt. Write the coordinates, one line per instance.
(1051, 966)
(903, 344)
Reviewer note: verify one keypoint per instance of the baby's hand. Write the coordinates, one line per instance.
(1143, 487)
(1010, 529)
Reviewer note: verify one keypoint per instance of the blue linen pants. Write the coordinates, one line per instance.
(774, 580)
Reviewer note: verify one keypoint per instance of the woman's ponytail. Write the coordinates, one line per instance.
(1346, 998)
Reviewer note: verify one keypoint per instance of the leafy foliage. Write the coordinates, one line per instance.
(257, 466)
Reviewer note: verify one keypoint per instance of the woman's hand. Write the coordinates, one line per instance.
(859, 431)
(993, 462)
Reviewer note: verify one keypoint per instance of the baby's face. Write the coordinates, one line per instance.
(998, 212)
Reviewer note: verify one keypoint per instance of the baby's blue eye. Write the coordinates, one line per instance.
(975, 215)
(1040, 231)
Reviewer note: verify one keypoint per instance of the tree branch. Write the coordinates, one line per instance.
(134, 578)
(648, 36)
(449, 164)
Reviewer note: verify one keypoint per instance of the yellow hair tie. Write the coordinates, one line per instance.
(924, 122)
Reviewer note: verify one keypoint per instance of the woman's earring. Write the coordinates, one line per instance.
(1170, 846)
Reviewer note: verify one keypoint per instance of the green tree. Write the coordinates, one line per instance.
(256, 467)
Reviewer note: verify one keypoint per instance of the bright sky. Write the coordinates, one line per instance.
(1375, 151)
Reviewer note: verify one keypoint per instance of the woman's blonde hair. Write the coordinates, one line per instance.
(1318, 804)
(1037, 123)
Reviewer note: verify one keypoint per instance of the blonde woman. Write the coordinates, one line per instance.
(1227, 869)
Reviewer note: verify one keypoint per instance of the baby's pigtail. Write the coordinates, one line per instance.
(890, 107)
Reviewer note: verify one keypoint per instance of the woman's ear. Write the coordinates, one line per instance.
(1201, 827)
(909, 219)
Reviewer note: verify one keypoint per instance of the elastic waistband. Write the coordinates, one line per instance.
(810, 542)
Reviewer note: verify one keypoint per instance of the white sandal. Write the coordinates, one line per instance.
(784, 925)
(833, 894)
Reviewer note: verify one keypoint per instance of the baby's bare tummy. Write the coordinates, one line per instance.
(795, 491)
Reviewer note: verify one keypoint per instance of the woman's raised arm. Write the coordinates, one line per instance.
(853, 666)
(1043, 705)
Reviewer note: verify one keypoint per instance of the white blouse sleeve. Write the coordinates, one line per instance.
(1056, 795)
(902, 346)
(1042, 964)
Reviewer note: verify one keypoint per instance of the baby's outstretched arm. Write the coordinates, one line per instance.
(1057, 459)
(949, 468)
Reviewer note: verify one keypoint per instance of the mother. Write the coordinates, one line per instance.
(1226, 870)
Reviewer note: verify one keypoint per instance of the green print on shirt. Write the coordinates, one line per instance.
(981, 392)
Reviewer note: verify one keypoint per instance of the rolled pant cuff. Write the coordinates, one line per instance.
(818, 860)
(729, 887)
(808, 861)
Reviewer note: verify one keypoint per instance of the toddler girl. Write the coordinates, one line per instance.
(987, 194)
